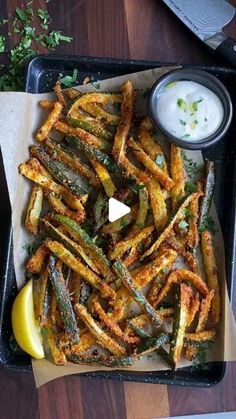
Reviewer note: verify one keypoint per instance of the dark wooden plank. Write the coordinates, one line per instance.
(18, 395)
(183, 401)
(102, 398)
(61, 399)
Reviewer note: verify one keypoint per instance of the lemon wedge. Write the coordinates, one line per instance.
(24, 324)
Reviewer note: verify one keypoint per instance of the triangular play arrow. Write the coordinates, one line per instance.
(116, 209)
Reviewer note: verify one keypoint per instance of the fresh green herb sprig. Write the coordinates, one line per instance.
(23, 24)
(192, 168)
(69, 81)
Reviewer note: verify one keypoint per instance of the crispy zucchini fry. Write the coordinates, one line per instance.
(196, 338)
(40, 296)
(158, 205)
(193, 236)
(72, 262)
(180, 247)
(133, 172)
(104, 177)
(57, 205)
(78, 132)
(142, 211)
(193, 308)
(152, 344)
(180, 214)
(182, 301)
(177, 174)
(34, 209)
(124, 245)
(104, 361)
(33, 170)
(115, 227)
(112, 325)
(89, 124)
(128, 282)
(73, 93)
(210, 267)
(57, 353)
(86, 341)
(37, 261)
(61, 154)
(204, 311)
(105, 340)
(90, 247)
(58, 90)
(208, 195)
(53, 117)
(180, 275)
(123, 129)
(99, 113)
(92, 97)
(47, 104)
(59, 175)
(159, 173)
(63, 301)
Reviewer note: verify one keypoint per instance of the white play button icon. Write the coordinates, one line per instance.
(116, 210)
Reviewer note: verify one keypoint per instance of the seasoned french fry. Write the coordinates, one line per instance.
(157, 204)
(35, 172)
(193, 236)
(122, 132)
(150, 146)
(193, 308)
(34, 209)
(99, 113)
(59, 93)
(62, 253)
(204, 311)
(124, 245)
(180, 275)
(205, 335)
(57, 152)
(112, 325)
(211, 274)
(47, 104)
(58, 206)
(53, 117)
(177, 174)
(132, 171)
(159, 173)
(78, 132)
(177, 217)
(37, 261)
(92, 97)
(104, 177)
(105, 340)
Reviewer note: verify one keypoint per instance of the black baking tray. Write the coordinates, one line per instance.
(42, 73)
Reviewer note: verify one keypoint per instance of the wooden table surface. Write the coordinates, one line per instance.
(137, 29)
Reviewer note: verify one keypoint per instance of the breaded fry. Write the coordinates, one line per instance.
(177, 174)
(53, 117)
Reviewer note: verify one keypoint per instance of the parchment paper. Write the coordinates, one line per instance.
(19, 120)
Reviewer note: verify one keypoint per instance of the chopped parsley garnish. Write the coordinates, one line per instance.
(183, 224)
(69, 81)
(28, 40)
(188, 213)
(136, 188)
(181, 103)
(166, 270)
(194, 105)
(160, 160)
(124, 223)
(191, 167)
(182, 122)
(190, 187)
(186, 136)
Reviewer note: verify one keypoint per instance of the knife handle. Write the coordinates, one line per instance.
(227, 49)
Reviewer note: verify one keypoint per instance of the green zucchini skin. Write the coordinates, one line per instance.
(208, 196)
(139, 331)
(153, 343)
(105, 361)
(86, 241)
(94, 153)
(63, 300)
(100, 211)
(76, 249)
(123, 273)
(58, 174)
(166, 357)
(90, 127)
(85, 291)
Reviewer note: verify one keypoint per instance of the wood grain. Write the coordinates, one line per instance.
(124, 29)
(145, 401)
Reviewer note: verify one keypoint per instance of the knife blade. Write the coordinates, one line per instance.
(207, 18)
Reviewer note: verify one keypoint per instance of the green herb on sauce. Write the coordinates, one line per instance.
(181, 103)
(193, 106)
(182, 122)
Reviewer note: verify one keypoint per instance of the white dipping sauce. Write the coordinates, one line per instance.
(189, 110)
